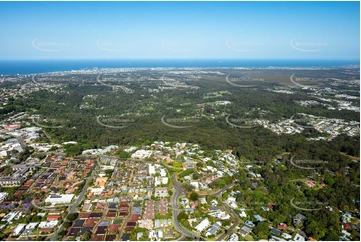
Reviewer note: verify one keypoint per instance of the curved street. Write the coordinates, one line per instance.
(235, 224)
(178, 191)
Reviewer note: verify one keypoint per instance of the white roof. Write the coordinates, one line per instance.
(202, 225)
(59, 198)
(19, 229)
(49, 224)
(31, 225)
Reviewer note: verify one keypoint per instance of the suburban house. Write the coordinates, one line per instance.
(213, 230)
(202, 225)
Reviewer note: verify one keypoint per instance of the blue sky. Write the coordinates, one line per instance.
(206, 30)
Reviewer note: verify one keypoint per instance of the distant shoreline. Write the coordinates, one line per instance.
(29, 67)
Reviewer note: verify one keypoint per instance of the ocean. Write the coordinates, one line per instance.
(22, 67)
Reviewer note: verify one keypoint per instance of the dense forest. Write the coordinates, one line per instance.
(141, 113)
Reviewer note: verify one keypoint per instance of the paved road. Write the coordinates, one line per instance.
(178, 191)
(78, 201)
(235, 224)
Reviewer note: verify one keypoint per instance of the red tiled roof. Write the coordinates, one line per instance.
(282, 226)
(100, 206)
(129, 228)
(53, 217)
(84, 215)
(135, 217)
(110, 237)
(19, 192)
(111, 214)
(46, 230)
(97, 238)
(271, 205)
(346, 226)
(91, 222)
(114, 227)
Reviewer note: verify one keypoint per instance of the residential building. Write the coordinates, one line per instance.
(59, 198)
(202, 225)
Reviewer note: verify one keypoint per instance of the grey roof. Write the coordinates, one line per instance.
(246, 229)
(104, 223)
(259, 218)
(214, 228)
(300, 216)
(275, 231)
(137, 210)
(249, 223)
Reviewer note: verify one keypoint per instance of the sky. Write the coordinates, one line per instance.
(180, 30)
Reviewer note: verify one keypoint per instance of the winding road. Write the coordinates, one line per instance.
(178, 191)
(235, 224)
